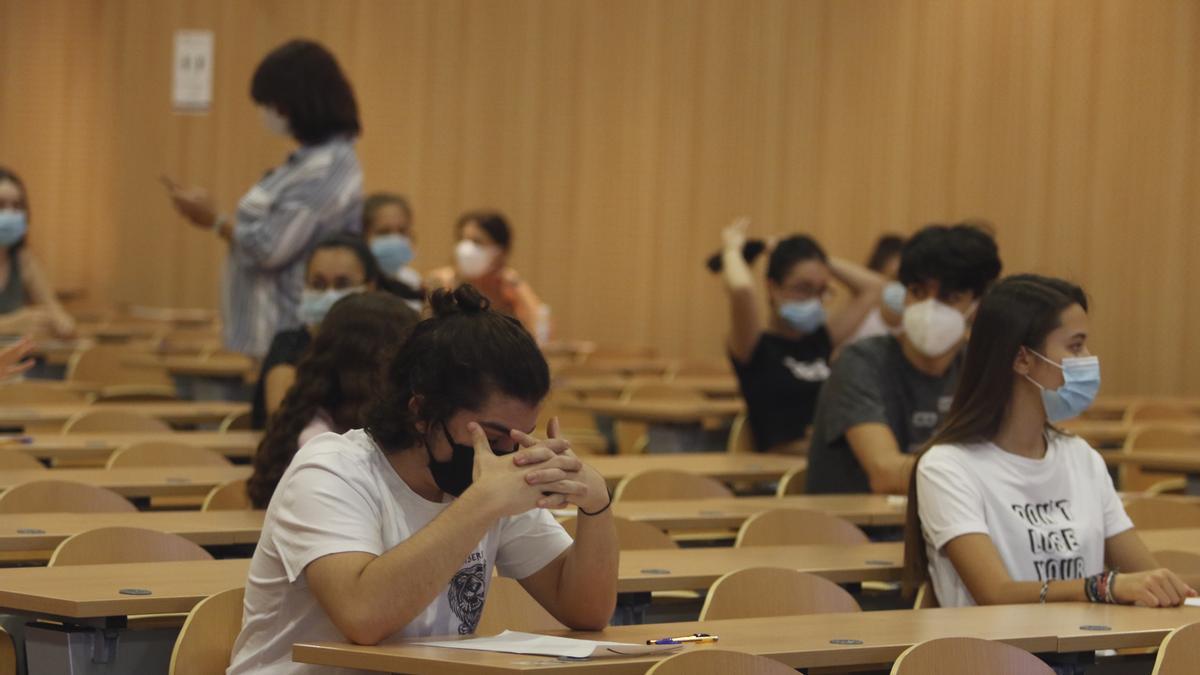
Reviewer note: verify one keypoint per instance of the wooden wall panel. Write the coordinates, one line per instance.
(620, 135)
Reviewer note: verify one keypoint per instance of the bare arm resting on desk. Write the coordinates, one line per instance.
(978, 563)
(876, 450)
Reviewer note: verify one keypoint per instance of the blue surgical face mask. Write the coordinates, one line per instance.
(1081, 383)
(393, 251)
(314, 305)
(12, 227)
(893, 297)
(804, 315)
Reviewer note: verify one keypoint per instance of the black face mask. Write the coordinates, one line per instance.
(455, 476)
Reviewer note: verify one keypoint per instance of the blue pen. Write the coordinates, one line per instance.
(693, 638)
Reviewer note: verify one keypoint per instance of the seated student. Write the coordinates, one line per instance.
(1006, 508)
(28, 303)
(336, 379)
(339, 266)
(888, 393)
(388, 228)
(884, 318)
(481, 259)
(782, 359)
(393, 531)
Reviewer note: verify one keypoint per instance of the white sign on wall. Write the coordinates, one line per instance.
(191, 86)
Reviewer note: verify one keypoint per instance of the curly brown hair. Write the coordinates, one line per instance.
(342, 370)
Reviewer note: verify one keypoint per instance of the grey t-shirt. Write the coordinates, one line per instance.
(873, 382)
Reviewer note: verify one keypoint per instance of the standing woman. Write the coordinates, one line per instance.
(782, 359)
(27, 300)
(1006, 508)
(302, 93)
(481, 259)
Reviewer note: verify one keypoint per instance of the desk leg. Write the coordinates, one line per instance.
(669, 438)
(1193, 484)
(53, 649)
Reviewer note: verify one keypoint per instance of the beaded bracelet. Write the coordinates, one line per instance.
(1099, 587)
(1045, 590)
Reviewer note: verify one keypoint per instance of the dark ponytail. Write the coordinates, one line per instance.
(339, 373)
(453, 361)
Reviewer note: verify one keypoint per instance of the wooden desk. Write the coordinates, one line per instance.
(222, 366)
(179, 412)
(730, 513)
(661, 412)
(720, 465)
(1184, 460)
(92, 591)
(147, 482)
(98, 446)
(614, 385)
(33, 536)
(697, 568)
(799, 641)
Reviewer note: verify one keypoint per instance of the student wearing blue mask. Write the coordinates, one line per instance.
(339, 266)
(28, 304)
(782, 358)
(1006, 508)
(388, 228)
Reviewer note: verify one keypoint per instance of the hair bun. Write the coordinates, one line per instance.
(465, 299)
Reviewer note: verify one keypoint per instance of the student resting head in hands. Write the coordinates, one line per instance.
(1006, 508)
(393, 531)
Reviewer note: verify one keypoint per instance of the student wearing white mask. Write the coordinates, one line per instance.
(302, 95)
(887, 394)
(388, 228)
(1005, 507)
(28, 303)
(782, 357)
(339, 266)
(481, 259)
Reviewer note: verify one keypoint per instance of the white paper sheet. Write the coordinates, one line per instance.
(514, 642)
(191, 87)
(1192, 602)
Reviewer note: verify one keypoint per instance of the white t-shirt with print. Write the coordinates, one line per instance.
(341, 494)
(1047, 517)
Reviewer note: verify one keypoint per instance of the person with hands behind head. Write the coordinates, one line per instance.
(782, 359)
(1006, 508)
(302, 94)
(28, 303)
(393, 531)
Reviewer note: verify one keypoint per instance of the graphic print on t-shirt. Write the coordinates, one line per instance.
(467, 593)
(810, 371)
(1052, 539)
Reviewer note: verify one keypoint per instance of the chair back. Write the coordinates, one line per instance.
(205, 643)
(774, 591)
(164, 453)
(112, 545)
(632, 535)
(798, 527)
(509, 607)
(230, 496)
(62, 496)
(1179, 653)
(1163, 513)
(13, 459)
(957, 655)
(719, 662)
(669, 484)
(102, 420)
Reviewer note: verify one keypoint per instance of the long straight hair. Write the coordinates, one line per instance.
(1019, 311)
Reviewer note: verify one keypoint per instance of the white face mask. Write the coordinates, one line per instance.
(933, 328)
(273, 121)
(472, 259)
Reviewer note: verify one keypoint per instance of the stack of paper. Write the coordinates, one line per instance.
(513, 642)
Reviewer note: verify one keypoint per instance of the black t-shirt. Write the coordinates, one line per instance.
(286, 349)
(780, 383)
(873, 382)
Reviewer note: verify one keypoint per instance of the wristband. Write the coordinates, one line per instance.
(596, 513)
(1045, 590)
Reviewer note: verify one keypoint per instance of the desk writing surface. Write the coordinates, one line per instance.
(92, 591)
(731, 512)
(184, 412)
(44, 531)
(140, 482)
(98, 446)
(698, 568)
(1184, 460)
(798, 641)
(660, 412)
(719, 465)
